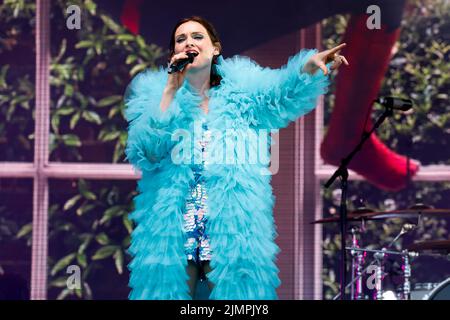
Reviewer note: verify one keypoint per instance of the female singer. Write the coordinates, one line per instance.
(200, 214)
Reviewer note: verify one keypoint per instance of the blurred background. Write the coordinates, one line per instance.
(75, 211)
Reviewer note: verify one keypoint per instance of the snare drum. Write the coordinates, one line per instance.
(441, 292)
(421, 291)
(431, 291)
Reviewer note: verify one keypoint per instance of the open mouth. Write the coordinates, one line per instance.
(193, 51)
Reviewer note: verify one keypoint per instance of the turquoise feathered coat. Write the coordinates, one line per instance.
(240, 199)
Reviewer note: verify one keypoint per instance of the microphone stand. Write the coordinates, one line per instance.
(342, 172)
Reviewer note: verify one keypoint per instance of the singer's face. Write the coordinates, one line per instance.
(192, 36)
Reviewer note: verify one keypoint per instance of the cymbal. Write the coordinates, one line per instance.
(361, 210)
(413, 212)
(350, 217)
(435, 245)
(420, 205)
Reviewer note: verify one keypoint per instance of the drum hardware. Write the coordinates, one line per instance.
(432, 291)
(383, 252)
(421, 291)
(402, 214)
(379, 273)
(378, 262)
(440, 292)
(358, 255)
(357, 263)
(406, 276)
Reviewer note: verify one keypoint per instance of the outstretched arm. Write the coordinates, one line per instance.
(282, 95)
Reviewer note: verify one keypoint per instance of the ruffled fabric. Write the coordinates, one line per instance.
(271, 98)
(242, 233)
(158, 268)
(240, 201)
(150, 129)
(148, 134)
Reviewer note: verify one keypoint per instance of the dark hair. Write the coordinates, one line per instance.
(215, 77)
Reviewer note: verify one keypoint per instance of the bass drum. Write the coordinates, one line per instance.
(441, 292)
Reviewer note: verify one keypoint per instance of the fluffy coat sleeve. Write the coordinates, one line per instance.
(149, 128)
(272, 98)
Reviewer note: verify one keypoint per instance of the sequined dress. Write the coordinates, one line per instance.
(196, 214)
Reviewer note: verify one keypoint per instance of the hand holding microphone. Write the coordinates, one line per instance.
(177, 69)
(181, 63)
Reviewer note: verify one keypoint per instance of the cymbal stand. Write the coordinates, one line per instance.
(357, 266)
(406, 267)
(379, 273)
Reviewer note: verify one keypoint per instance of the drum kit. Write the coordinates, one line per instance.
(376, 271)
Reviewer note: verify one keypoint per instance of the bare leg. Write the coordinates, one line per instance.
(207, 269)
(192, 271)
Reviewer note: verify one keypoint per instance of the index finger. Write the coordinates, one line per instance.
(337, 48)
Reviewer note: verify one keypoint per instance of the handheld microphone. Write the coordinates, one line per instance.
(180, 64)
(395, 103)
